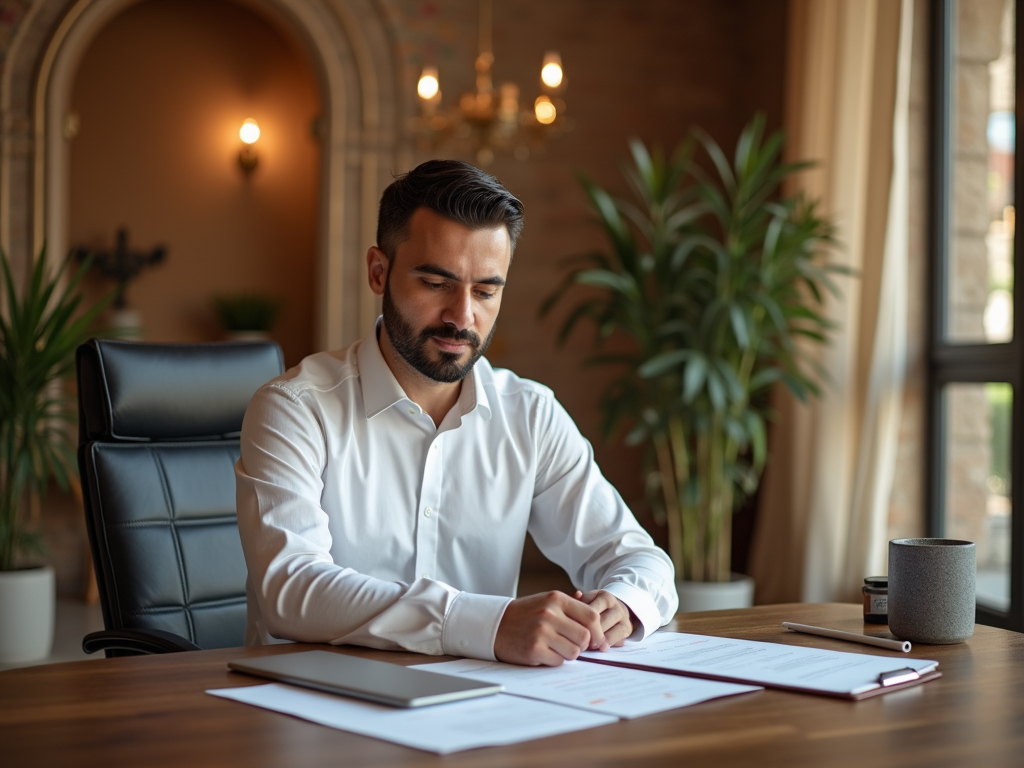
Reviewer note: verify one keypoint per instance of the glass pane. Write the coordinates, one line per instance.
(980, 270)
(978, 493)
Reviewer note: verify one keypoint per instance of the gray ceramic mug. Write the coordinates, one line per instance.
(931, 590)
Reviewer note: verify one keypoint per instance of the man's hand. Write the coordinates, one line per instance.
(547, 629)
(617, 621)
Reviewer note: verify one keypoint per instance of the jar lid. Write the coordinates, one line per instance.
(877, 581)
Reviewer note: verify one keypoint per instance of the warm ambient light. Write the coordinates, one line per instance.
(248, 133)
(428, 86)
(551, 70)
(490, 116)
(544, 110)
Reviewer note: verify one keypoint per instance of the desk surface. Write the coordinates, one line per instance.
(152, 711)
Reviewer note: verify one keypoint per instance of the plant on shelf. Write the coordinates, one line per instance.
(719, 285)
(40, 329)
(247, 311)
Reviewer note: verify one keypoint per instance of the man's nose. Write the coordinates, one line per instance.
(459, 310)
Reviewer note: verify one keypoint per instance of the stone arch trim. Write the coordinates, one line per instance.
(352, 52)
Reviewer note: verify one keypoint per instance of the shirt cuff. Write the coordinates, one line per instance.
(641, 604)
(472, 624)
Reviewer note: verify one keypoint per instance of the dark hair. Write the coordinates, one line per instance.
(453, 189)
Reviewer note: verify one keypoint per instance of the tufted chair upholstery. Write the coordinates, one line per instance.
(158, 440)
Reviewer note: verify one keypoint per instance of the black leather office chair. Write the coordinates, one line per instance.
(158, 440)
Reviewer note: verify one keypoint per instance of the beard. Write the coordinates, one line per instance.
(412, 345)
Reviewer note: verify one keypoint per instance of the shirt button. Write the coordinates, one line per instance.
(425, 576)
(427, 512)
(412, 411)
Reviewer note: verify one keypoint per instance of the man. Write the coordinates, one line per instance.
(385, 490)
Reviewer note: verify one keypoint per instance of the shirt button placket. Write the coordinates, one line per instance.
(426, 529)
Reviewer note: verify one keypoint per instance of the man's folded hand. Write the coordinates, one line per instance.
(617, 621)
(549, 628)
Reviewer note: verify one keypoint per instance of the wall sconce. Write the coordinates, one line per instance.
(428, 87)
(248, 133)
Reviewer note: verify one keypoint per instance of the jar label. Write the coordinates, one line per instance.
(879, 604)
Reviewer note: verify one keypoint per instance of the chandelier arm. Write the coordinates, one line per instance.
(485, 29)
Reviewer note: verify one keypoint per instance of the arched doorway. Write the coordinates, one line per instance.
(351, 52)
(152, 142)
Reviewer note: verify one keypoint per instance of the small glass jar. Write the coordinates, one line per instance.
(876, 599)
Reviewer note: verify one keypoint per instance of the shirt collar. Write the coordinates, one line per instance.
(474, 389)
(381, 389)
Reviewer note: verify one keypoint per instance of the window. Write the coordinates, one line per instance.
(976, 360)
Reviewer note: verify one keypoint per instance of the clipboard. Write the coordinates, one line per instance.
(851, 696)
(802, 669)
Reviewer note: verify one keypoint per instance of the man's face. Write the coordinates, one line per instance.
(442, 294)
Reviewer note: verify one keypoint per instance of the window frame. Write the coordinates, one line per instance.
(950, 363)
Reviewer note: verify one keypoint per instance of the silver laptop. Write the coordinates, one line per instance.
(364, 679)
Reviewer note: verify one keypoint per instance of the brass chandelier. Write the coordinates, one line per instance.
(488, 119)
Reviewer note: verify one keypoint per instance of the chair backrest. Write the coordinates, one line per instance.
(158, 440)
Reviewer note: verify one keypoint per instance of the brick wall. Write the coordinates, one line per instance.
(969, 418)
(654, 70)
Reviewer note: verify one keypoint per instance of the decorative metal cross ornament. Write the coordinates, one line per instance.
(121, 264)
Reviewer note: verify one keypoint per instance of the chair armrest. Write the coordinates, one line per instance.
(139, 641)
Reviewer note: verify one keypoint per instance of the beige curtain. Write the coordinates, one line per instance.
(824, 503)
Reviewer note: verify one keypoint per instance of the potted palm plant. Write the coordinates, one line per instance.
(40, 329)
(719, 285)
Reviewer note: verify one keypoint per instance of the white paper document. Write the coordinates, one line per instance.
(442, 728)
(618, 691)
(771, 664)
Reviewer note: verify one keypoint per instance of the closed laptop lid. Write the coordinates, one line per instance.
(362, 678)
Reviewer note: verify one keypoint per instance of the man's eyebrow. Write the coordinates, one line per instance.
(431, 269)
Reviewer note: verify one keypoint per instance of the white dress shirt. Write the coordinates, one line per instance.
(363, 523)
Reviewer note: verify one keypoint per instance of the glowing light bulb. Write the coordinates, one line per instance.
(551, 70)
(544, 110)
(428, 86)
(249, 131)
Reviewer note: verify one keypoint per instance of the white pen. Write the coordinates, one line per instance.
(853, 637)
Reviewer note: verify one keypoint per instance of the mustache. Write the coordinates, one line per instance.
(451, 334)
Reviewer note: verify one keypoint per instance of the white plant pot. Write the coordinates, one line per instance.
(128, 323)
(716, 595)
(27, 606)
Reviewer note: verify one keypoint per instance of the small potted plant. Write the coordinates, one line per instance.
(247, 314)
(40, 329)
(718, 283)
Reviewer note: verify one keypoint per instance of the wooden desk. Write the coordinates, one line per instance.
(152, 711)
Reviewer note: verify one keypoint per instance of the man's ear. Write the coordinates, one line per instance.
(377, 265)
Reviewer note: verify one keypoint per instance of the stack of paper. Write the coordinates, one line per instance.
(627, 693)
(540, 701)
(663, 672)
(809, 670)
(442, 728)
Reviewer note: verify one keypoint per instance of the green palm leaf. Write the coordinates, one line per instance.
(44, 325)
(712, 276)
